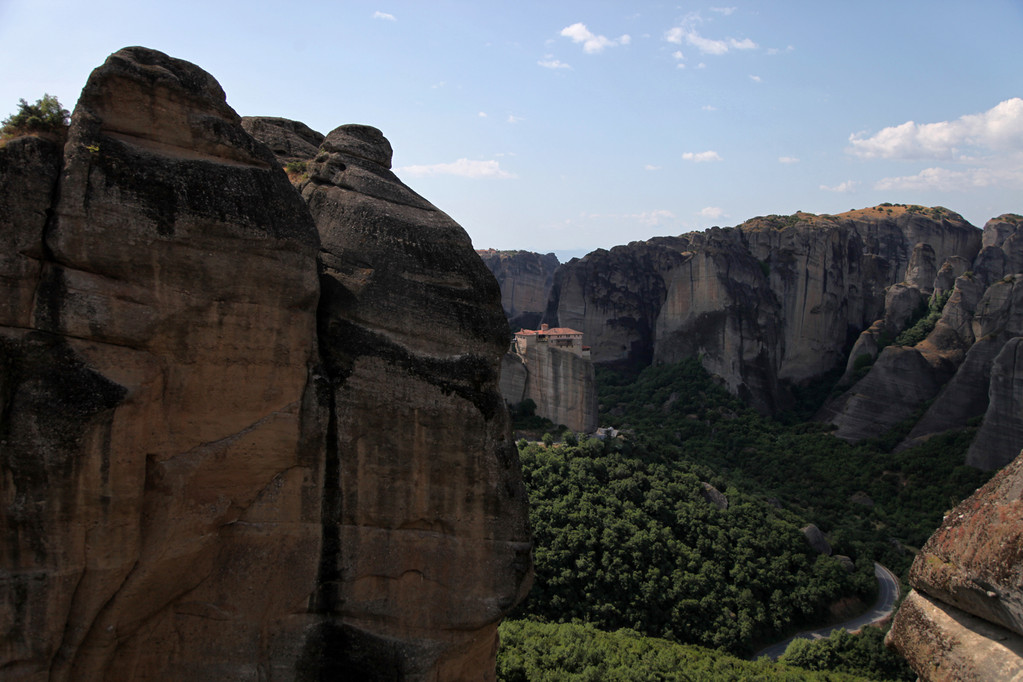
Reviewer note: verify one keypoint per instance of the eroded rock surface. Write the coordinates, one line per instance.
(232, 448)
(964, 620)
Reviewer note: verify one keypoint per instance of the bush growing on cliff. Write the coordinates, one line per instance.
(45, 116)
(926, 322)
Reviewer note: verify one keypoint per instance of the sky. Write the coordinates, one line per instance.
(572, 125)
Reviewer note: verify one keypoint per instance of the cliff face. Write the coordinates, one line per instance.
(560, 382)
(433, 536)
(964, 364)
(773, 301)
(525, 279)
(236, 446)
(964, 618)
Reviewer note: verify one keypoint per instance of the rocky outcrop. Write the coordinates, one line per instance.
(525, 279)
(236, 446)
(432, 537)
(964, 619)
(561, 383)
(288, 140)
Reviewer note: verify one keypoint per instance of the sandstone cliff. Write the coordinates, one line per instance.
(239, 443)
(964, 618)
(525, 279)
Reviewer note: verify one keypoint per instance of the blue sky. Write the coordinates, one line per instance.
(568, 126)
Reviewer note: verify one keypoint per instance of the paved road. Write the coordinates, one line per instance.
(888, 594)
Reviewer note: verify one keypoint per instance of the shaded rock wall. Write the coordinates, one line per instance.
(964, 619)
(525, 279)
(232, 448)
(561, 383)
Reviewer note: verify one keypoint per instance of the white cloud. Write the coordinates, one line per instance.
(998, 130)
(464, 168)
(713, 212)
(651, 167)
(653, 217)
(787, 159)
(384, 15)
(709, 107)
(482, 114)
(548, 62)
(677, 54)
(592, 43)
(946, 180)
(755, 79)
(723, 10)
(512, 118)
(707, 45)
(702, 157)
(844, 187)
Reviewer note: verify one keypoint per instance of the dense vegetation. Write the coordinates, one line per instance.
(540, 652)
(628, 536)
(870, 501)
(628, 539)
(861, 654)
(45, 116)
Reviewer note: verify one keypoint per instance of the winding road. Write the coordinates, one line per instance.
(888, 594)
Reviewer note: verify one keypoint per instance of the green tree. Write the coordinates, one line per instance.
(45, 116)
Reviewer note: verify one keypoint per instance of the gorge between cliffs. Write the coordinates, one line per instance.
(254, 420)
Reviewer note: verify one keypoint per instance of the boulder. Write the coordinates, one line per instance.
(713, 495)
(816, 538)
(964, 619)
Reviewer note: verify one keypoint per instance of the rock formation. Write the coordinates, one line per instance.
(953, 365)
(964, 618)
(238, 443)
(773, 302)
(525, 279)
